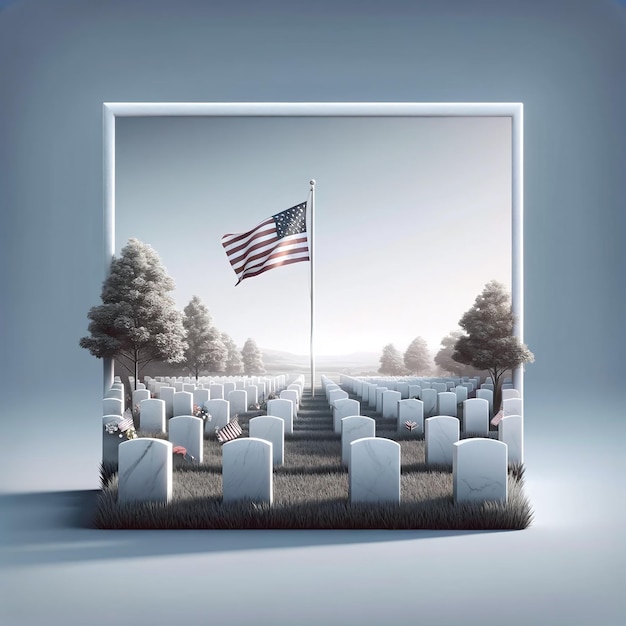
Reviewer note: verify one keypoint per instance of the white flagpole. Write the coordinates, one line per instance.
(312, 230)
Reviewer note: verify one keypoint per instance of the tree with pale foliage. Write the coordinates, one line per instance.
(205, 349)
(234, 362)
(444, 360)
(252, 358)
(488, 342)
(391, 361)
(137, 322)
(417, 357)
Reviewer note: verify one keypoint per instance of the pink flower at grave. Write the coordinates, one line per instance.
(179, 450)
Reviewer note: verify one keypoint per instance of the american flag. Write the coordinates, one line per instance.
(127, 421)
(278, 240)
(231, 431)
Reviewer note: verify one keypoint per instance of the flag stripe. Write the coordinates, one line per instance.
(232, 430)
(277, 241)
(292, 243)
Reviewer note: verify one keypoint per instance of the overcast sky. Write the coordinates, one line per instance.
(412, 218)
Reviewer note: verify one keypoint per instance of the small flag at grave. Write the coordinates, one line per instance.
(231, 431)
(127, 421)
(410, 425)
(497, 418)
(279, 240)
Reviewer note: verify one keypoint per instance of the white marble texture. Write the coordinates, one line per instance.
(461, 393)
(200, 396)
(145, 470)
(337, 394)
(374, 470)
(511, 432)
(110, 443)
(476, 415)
(152, 415)
(291, 394)
(115, 392)
(512, 406)
(219, 410)
(283, 408)
(411, 410)
(441, 431)
(486, 394)
(439, 387)
(247, 471)
(510, 393)
(240, 383)
(112, 406)
(142, 385)
(415, 391)
(479, 470)
(429, 398)
(403, 388)
(330, 387)
(138, 395)
(188, 431)
(424, 384)
(227, 387)
(190, 387)
(167, 395)
(371, 395)
(489, 386)
(379, 398)
(253, 394)
(182, 403)
(446, 403)
(272, 429)
(344, 407)
(178, 386)
(238, 401)
(262, 390)
(355, 427)
(390, 401)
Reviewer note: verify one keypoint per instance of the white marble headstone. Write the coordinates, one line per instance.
(512, 406)
(476, 415)
(167, 395)
(152, 415)
(188, 431)
(238, 401)
(510, 393)
(440, 433)
(270, 428)
(374, 470)
(145, 470)
(247, 470)
(479, 470)
(390, 403)
(510, 431)
(112, 406)
(379, 398)
(344, 407)
(461, 394)
(139, 395)
(446, 403)
(355, 427)
(291, 394)
(411, 410)
(429, 398)
(200, 396)
(486, 394)
(183, 403)
(282, 408)
(219, 410)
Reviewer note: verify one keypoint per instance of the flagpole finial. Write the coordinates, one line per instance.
(312, 182)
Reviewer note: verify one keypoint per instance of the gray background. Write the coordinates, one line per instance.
(564, 59)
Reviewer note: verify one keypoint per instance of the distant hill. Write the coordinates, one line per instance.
(353, 363)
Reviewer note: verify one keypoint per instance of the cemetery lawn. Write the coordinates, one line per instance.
(310, 491)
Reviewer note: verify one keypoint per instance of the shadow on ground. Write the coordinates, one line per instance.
(56, 527)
